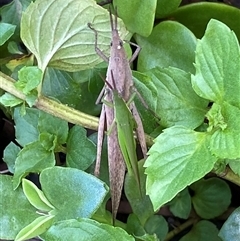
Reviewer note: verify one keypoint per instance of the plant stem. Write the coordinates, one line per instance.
(230, 176)
(179, 229)
(56, 109)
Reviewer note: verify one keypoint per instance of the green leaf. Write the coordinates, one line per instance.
(139, 24)
(225, 140)
(70, 46)
(170, 44)
(32, 158)
(156, 224)
(6, 31)
(10, 100)
(134, 226)
(196, 16)
(140, 203)
(35, 228)
(12, 13)
(217, 65)
(202, 231)
(48, 141)
(231, 228)
(235, 166)
(26, 126)
(29, 78)
(81, 152)
(212, 197)
(178, 158)
(181, 204)
(16, 211)
(87, 229)
(81, 193)
(178, 104)
(165, 7)
(148, 93)
(78, 90)
(10, 155)
(53, 125)
(35, 196)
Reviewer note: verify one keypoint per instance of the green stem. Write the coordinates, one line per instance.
(229, 175)
(56, 109)
(179, 229)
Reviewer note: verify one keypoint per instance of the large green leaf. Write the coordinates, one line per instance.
(144, 15)
(81, 152)
(85, 230)
(217, 75)
(178, 104)
(202, 231)
(165, 7)
(57, 33)
(211, 197)
(80, 193)
(231, 228)
(178, 158)
(15, 210)
(170, 44)
(196, 16)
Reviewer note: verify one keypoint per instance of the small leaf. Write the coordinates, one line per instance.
(53, 125)
(81, 152)
(35, 196)
(81, 193)
(231, 228)
(170, 44)
(202, 231)
(139, 24)
(32, 158)
(10, 155)
(178, 158)
(10, 100)
(156, 224)
(212, 197)
(217, 62)
(181, 205)
(225, 140)
(70, 45)
(16, 211)
(235, 166)
(37, 227)
(6, 31)
(26, 126)
(29, 78)
(87, 229)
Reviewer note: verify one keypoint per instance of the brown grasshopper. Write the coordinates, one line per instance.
(119, 74)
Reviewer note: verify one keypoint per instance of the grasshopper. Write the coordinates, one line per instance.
(119, 74)
(125, 127)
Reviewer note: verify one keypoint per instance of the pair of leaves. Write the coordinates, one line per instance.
(76, 201)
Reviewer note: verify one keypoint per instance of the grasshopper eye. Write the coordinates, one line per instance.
(111, 44)
(120, 45)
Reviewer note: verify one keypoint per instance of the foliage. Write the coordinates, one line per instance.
(188, 76)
